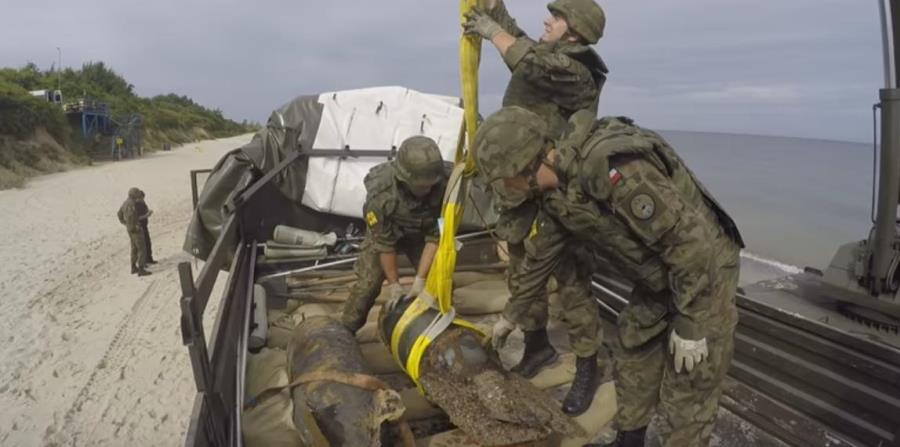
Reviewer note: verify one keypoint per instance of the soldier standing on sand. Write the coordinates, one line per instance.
(625, 193)
(554, 78)
(128, 216)
(144, 212)
(403, 203)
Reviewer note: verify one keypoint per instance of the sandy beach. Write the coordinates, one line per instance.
(92, 355)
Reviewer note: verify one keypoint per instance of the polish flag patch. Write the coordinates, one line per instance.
(614, 176)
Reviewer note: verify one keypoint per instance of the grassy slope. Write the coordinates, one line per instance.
(35, 138)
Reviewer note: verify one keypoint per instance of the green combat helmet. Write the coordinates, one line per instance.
(585, 17)
(419, 162)
(508, 142)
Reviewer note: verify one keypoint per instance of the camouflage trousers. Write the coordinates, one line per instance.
(577, 309)
(138, 249)
(369, 278)
(687, 402)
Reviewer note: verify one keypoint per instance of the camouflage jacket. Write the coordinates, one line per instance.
(628, 195)
(392, 213)
(553, 79)
(128, 216)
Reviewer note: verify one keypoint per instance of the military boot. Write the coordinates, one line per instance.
(630, 438)
(538, 353)
(142, 272)
(133, 269)
(581, 394)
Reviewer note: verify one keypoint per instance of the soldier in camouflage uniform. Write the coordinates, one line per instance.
(554, 77)
(128, 216)
(403, 203)
(625, 193)
(144, 212)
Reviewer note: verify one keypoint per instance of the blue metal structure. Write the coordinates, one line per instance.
(93, 117)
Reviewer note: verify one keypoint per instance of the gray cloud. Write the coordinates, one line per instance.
(804, 67)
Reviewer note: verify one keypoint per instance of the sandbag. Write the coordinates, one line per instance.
(270, 423)
(279, 337)
(368, 333)
(560, 372)
(463, 279)
(481, 298)
(417, 406)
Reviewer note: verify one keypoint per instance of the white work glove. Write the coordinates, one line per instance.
(480, 24)
(687, 353)
(500, 332)
(418, 286)
(395, 294)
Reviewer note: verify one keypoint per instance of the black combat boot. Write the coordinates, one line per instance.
(142, 272)
(538, 353)
(581, 394)
(630, 438)
(133, 269)
(152, 261)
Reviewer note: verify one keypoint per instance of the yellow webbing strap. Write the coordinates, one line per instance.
(421, 305)
(439, 285)
(469, 59)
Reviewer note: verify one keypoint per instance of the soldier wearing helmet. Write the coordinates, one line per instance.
(558, 75)
(403, 203)
(623, 191)
(128, 216)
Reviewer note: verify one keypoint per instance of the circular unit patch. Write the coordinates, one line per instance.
(643, 206)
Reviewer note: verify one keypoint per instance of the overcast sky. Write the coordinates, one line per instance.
(807, 68)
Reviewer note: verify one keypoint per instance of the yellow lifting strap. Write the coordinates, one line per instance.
(440, 278)
(439, 285)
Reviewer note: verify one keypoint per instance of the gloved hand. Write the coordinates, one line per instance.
(687, 353)
(478, 23)
(395, 294)
(418, 286)
(500, 332)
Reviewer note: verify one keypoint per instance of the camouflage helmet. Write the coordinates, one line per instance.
(419, 162)
(508, 142)
(585, 17)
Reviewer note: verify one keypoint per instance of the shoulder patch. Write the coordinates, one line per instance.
(371, 218)
(643, 206)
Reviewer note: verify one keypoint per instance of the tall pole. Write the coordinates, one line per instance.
(59, 69)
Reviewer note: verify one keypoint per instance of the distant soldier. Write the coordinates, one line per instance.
(144, 212)
(623, 191)
(403, 203)
(128, 216)
(554, 77)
